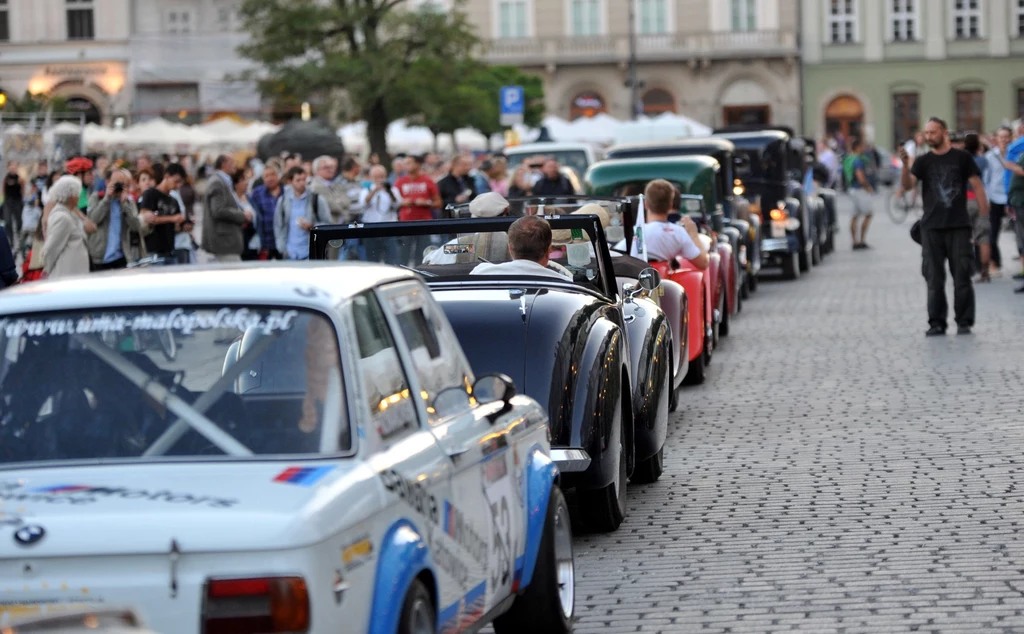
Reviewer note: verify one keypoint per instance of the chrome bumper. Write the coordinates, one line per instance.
(570, 460)
(774, 244)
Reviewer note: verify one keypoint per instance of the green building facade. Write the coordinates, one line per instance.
(879, 69)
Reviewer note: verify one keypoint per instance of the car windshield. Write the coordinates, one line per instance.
(152, 383)
(484, 254)
(574, 159)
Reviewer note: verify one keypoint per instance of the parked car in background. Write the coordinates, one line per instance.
(319, 452)
(576, 156)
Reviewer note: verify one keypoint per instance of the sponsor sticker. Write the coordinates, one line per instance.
(357, 552)
(178, 319)
(303, 476)
(85, 494)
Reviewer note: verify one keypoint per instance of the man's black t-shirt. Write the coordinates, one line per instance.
(944, 185)
(161, 240)
(12, 187)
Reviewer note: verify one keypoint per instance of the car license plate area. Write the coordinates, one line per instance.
(778, 228)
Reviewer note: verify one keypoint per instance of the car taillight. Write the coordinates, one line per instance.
(262, 605)
(778, 214)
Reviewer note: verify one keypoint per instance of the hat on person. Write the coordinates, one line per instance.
(594, 209)
(78, 165)
(488, 205)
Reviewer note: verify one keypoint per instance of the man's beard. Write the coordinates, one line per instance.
(935, 144)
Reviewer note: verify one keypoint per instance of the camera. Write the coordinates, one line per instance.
(118, 189)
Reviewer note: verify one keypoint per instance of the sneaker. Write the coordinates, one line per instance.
(981, 277)
(1019, 276)
(1019, 290)
(935, 331)
(963, 330)
(859, 245)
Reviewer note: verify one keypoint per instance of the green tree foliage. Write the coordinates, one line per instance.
(32, 104)
(363, 53)
(487, 81)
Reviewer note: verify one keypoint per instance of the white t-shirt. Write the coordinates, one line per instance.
(665, 241)
(517, 267)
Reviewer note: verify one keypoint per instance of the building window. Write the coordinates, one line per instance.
(903, 20)
(744, 15)
(80, 24)
(585, 17)
(1020, 103)
(1019, 18)
(224, 18)
(652, 16)
(512, 19)
(966, 19)
(5, 28)
(658, 101)
(842, 21)
(179, 22)
(906, 117)
(970, 106)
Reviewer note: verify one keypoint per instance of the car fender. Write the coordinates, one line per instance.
(728, 274)
(605, 354)
(650, 347)
(404, 554)
(693, 281)
(540, 475)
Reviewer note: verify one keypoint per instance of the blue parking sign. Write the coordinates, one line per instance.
(512, 104)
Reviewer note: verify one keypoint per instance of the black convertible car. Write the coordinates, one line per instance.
(596, 355)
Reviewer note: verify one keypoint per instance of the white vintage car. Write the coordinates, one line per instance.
(292, 448)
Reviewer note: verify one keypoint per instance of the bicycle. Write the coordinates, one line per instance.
(902, 203)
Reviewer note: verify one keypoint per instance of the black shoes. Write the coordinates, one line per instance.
(1019, 290)
(963, 330)
(935, 331)
(861, 245)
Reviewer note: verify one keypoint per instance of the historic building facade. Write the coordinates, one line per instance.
(74, 49)
(879, 68)
(715, 61)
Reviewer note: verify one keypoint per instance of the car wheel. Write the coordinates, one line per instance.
(697, 372)
(747, 286)
(721, 327)
(650, 469)
(673, 391)
(791, 266)
(804, 260)
(816, 254)
(418, 615)
(549, 603)
(605, 508)
(752, 282)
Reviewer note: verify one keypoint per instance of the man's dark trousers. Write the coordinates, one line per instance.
(954, 245)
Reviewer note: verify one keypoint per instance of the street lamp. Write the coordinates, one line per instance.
(633, 86)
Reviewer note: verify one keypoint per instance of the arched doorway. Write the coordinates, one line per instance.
(844, 115)
(586, 104)
(658, 101)
(745, 102)
(81, 105)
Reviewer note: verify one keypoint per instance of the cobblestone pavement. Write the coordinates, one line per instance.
(837, 472)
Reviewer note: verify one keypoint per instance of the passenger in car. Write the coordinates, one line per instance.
(487, 205)
(665, 240)
(529, 244)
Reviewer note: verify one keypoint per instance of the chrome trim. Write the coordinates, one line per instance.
(774, 244)
(570, 460)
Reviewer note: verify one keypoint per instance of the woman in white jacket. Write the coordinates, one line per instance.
(64, 251)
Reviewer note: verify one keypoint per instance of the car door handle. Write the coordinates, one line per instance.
(457, 451)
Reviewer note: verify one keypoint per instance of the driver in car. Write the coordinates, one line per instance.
(665, 240)
(488, 205)
(529, 244)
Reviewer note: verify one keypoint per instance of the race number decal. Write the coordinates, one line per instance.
(500, 499)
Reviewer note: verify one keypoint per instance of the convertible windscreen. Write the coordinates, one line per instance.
(224, 381)
(470, 254)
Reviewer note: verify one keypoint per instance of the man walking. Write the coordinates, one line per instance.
(995, 189)
(1011, 158)
(946, 226)
(861, 191)
(14, 200)
(223, 219)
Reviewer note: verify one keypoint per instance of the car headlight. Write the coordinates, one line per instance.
(792, 224)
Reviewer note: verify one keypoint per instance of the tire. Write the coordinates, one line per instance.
(830, 240)
(900, 205)
(804, 260)
(604, 509)
(723, 327)
(418, 613)
(816, 254)
(697, 372)
(752, 282)
(746, 288)
(791, 267)
(168, 345)
(649, 471)
(673, 391)
(549, 603)
(716, 328)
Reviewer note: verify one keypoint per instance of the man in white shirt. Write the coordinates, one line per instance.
(529, 244)
(667, 241)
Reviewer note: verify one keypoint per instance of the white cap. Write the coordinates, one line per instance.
(488, 205)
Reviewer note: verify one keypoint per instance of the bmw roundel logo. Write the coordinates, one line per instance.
(28, 535)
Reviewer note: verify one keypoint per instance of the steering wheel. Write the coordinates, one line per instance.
(555, 266)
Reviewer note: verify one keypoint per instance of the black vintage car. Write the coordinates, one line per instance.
(743, 227)
(597, 356)
(829, 216)
(773, 172)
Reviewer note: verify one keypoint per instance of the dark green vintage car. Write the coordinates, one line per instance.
(695, 175)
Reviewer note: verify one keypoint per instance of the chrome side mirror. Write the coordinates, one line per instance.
(492, 388)
(649, 279)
